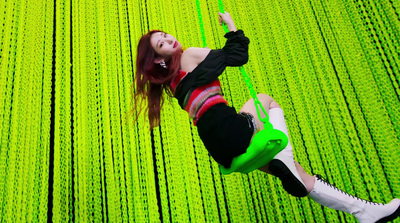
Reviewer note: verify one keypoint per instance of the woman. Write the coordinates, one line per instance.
(192, 77)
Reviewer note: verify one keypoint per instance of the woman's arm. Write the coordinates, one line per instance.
(192, 57)
(195, 55)
(228, 20)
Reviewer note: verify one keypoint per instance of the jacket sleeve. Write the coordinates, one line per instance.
(234, 53)
(236, 48)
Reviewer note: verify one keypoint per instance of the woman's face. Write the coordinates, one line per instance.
(164, 44)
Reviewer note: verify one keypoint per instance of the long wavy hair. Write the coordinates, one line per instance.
(151, 80)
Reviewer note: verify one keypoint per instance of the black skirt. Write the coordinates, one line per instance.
(225, 133)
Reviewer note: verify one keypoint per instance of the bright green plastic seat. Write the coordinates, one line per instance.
(263, 148)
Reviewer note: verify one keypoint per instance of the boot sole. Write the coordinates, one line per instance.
(390, 217)
(289, 181)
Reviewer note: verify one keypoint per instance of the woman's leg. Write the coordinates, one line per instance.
(249, 107)
(317, 189)
(277, 120)
(365, 211)
(283, 165)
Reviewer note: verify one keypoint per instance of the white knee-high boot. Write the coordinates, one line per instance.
(283, 165)
(365, 211)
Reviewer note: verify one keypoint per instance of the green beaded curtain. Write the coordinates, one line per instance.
(68, 152)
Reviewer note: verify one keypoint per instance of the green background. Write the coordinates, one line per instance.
(68, 152)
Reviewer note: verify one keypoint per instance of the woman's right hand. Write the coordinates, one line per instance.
(228, 20)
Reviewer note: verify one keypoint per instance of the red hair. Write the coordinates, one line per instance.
(151, 80)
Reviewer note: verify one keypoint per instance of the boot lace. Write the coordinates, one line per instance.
(323, 180)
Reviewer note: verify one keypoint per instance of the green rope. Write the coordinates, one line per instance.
(267, 124)
(221, 9)
(203, 35)
(266, 143)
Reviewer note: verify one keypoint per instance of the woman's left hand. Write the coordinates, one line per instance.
(226, 17)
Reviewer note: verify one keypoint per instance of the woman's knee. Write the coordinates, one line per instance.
(274, 105)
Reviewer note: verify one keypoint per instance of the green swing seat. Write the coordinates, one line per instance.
(263, 148)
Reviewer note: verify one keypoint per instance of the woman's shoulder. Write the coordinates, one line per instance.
(196, 51)
(192, 57)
